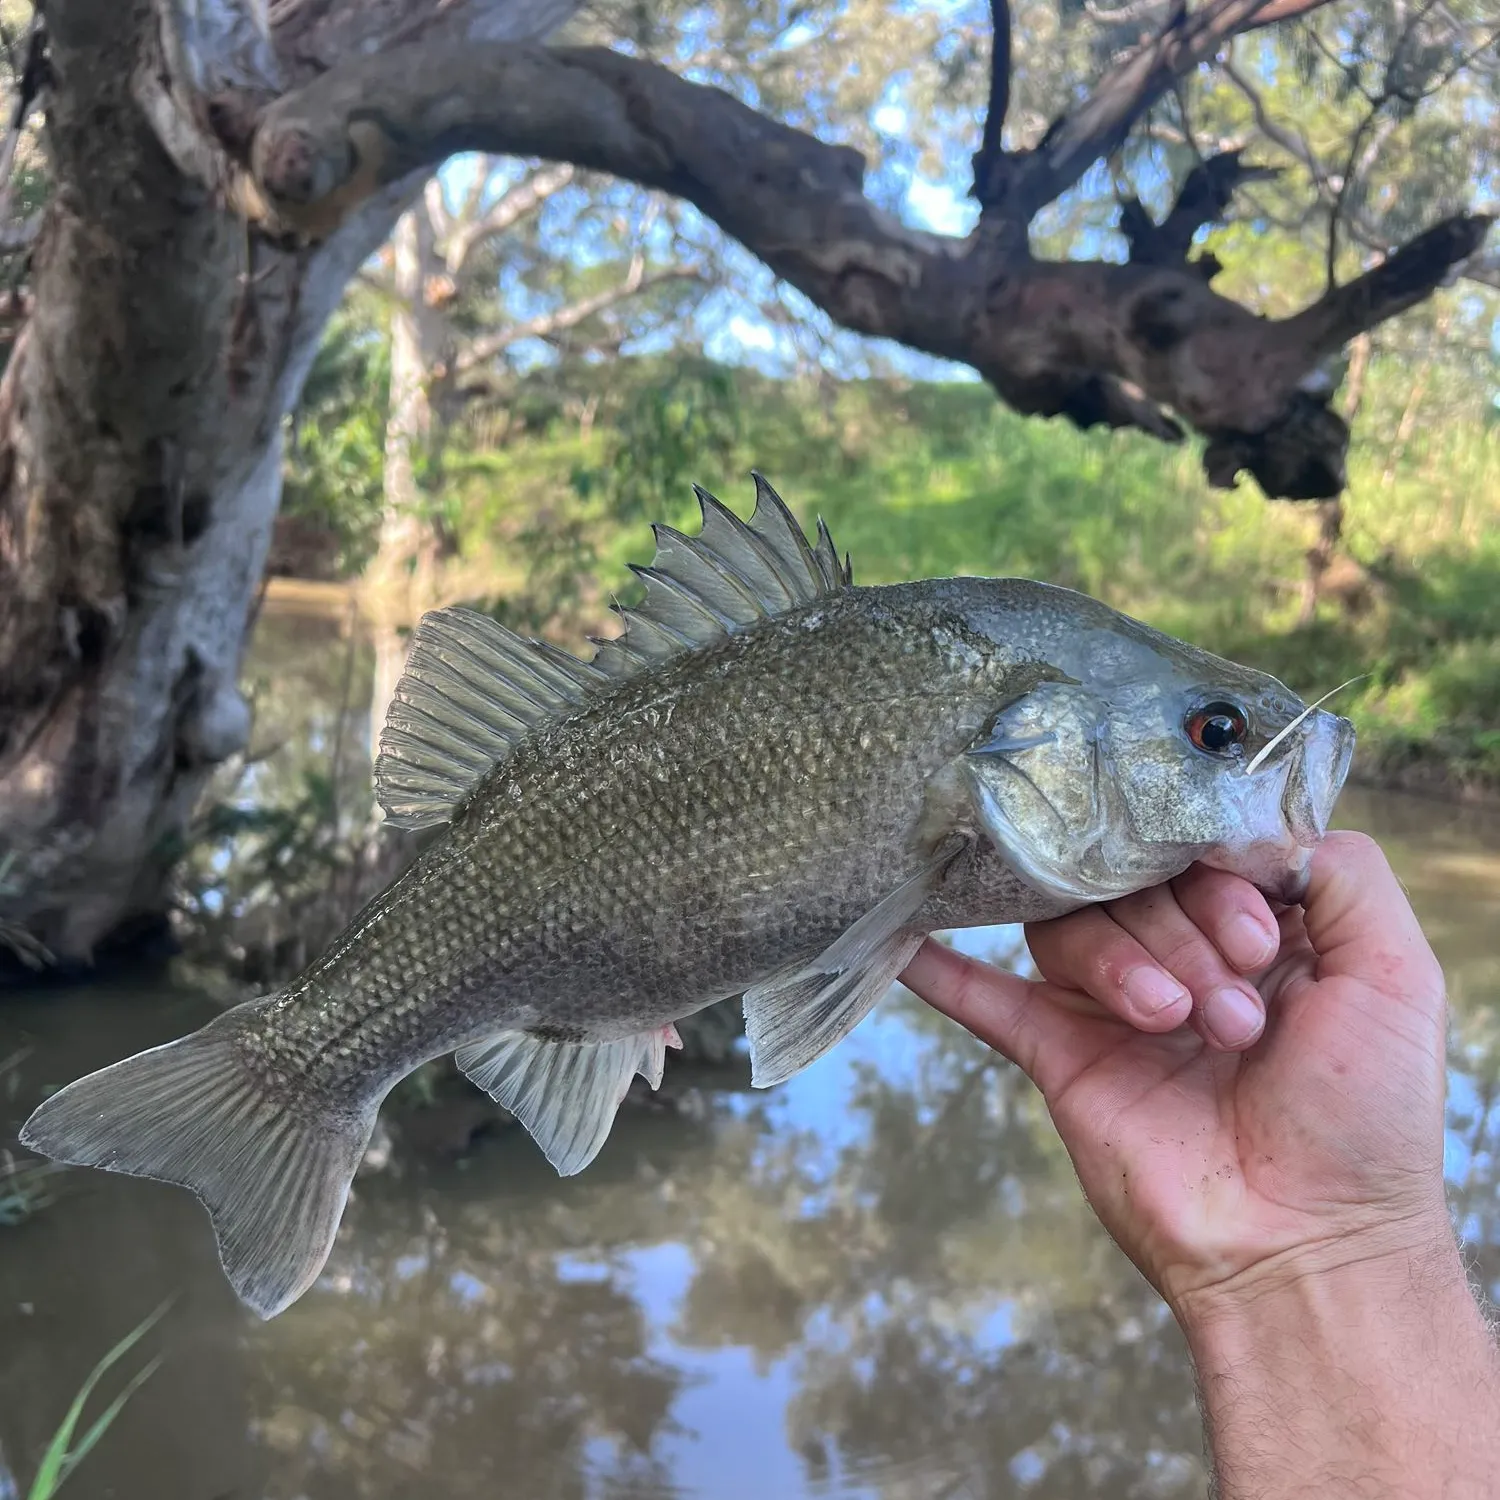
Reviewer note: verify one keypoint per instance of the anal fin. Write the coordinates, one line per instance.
(795, 1016)
(565, 1093)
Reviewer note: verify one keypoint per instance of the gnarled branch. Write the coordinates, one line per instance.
(1202, 199)
(989, 160)
(1118, 345)
(1099, 126)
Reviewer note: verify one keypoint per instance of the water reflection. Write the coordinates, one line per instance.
(878, 1282)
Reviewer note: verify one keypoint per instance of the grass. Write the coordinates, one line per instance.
(25, 1186)
(69, 1447)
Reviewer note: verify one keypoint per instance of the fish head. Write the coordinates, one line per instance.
(1138, 755)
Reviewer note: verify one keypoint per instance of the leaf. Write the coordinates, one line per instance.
(61, 1457)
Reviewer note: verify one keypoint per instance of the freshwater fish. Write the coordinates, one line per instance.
(772, 785)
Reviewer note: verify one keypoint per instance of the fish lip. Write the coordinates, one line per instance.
(1280, 868)
(1316, 776)
(1292, 888)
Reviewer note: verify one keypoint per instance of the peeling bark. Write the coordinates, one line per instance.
(140, 470)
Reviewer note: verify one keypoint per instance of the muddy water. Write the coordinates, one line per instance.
(878, 1281)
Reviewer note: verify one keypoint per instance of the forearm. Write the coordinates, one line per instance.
(1368, 1372)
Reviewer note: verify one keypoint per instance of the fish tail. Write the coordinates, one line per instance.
(272, 1169)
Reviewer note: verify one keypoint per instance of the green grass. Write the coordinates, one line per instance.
(69, 1447)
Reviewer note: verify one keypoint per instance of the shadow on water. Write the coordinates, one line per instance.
(877, 1283)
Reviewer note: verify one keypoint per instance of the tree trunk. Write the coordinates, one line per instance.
(1408, 423)
(141, 418)
(1331, 512)
(400, 582)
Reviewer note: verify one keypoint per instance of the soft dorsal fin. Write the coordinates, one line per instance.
(472, 689)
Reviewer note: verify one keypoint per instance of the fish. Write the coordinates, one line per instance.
(773, 784)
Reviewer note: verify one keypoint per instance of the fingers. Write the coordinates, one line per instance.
(1228, 1011)
(1091, 952)
(1232, 914)
(997, 1007)
(1184, 947)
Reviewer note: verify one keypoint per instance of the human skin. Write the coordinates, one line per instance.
(1272, 1163)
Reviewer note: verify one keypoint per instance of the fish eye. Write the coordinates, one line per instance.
(1217, 727)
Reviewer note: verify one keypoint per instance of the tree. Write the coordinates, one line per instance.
(445, 256)
(220, 171)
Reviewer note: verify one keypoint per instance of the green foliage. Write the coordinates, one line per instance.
(25, 1186)
(65, 1452)
(336, 441)
(543, 517)
(683, 416)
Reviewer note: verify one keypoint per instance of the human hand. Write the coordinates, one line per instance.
(1217, 1167)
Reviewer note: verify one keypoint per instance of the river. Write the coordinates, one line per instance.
(878, 1282)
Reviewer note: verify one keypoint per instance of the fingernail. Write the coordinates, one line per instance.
(1234, 1017)
(1248, 944)
(1150, 992)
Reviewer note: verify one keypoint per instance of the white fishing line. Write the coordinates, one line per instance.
(1260, 755)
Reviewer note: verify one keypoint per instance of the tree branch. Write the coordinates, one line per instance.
(1099, 126)
(989, 160)
(526, 197)
(1097, 343)
(1283, 10)
(1205, 194)
(1404, 279)
(482, 350)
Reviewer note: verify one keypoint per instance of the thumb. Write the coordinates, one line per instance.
(1363, 928)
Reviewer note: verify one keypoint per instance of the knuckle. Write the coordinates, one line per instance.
(1109, 965)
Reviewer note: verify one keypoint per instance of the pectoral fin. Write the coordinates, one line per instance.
(565, 1093)
(794, 1017)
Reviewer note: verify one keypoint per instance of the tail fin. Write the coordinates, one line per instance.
(273, 1172)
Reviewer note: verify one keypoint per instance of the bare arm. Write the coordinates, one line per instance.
(1363, 1370)
(1284, 1192)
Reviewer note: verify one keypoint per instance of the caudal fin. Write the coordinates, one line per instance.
(273, 1171)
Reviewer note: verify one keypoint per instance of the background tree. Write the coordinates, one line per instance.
(219, 174)
(464, 284)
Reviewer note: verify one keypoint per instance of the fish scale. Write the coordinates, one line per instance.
(774, 784)
(615, 906)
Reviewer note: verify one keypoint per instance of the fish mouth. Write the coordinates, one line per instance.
(1316, 777)
(1280, 868)
(1280, 872)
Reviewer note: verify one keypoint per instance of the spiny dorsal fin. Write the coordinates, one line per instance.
(472, 689)
(722, 581)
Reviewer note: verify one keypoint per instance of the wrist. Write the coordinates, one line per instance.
(1357, 1365)
(1389, 1261)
